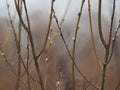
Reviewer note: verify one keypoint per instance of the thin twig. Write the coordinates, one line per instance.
(65, 13)
(99, 24)
(61, 23)
(111, 26)
(92, 36)
(74, 43)
(71, 58)
(27, 62)
(32, 46)
(19, 46)
(46, 73)
(18, 42)
(118, 85)
(113, 43)
(20, 16)
(12, 25)
(48, 30)
(5, 57)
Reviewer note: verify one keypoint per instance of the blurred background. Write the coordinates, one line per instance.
(59, 63)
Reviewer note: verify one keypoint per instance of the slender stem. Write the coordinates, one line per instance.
(20, 16)
(7, 61)
(111, 26)
(46, 73)
(113, 44)
(111, 29)
(71, 58)
(108, 53)
(66, 10)
(74, 43)
(19, 46)
(48, 30)
(118, 85)
(99, 24)
(18, 41)
(32, 45)
(27, 63)
(103, 77)
(92, 36)
(12, 25)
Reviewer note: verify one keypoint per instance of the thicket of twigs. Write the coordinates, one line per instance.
(36, 63)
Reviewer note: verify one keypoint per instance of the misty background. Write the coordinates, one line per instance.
(39, 11)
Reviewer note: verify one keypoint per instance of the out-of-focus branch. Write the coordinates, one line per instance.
(28, 30)
(16, 42)
(92, 36)
(118, 85)
(12, 25)
(5, 57)
(71, 58)
(46, 73)
(66, 10)
(20, 16)
(32, 46)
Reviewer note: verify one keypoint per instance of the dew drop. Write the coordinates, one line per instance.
(46, 59)
(58, 83)
(73, 38)
(113, 38)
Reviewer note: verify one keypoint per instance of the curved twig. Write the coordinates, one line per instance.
(99, 24)
(92, 36)
(71, 58)
(4, 56)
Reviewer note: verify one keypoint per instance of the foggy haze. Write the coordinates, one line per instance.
(60, 5)
(39, 11)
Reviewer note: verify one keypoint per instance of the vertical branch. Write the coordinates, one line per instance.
(61, 22)
(113, 43)
(20, 16)
(111, 29)
(29, 29)
(27, 63)
(46, 73)
(92, 36)
(48, 30)
(111, 26)
(12, 25)
(19, 46)
(32, 46)
(71, 58)
(66, 10)
(99, 24)
(104, 44)
(108, 54)
(74, 44)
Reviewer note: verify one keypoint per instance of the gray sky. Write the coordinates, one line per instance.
(60, 5)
